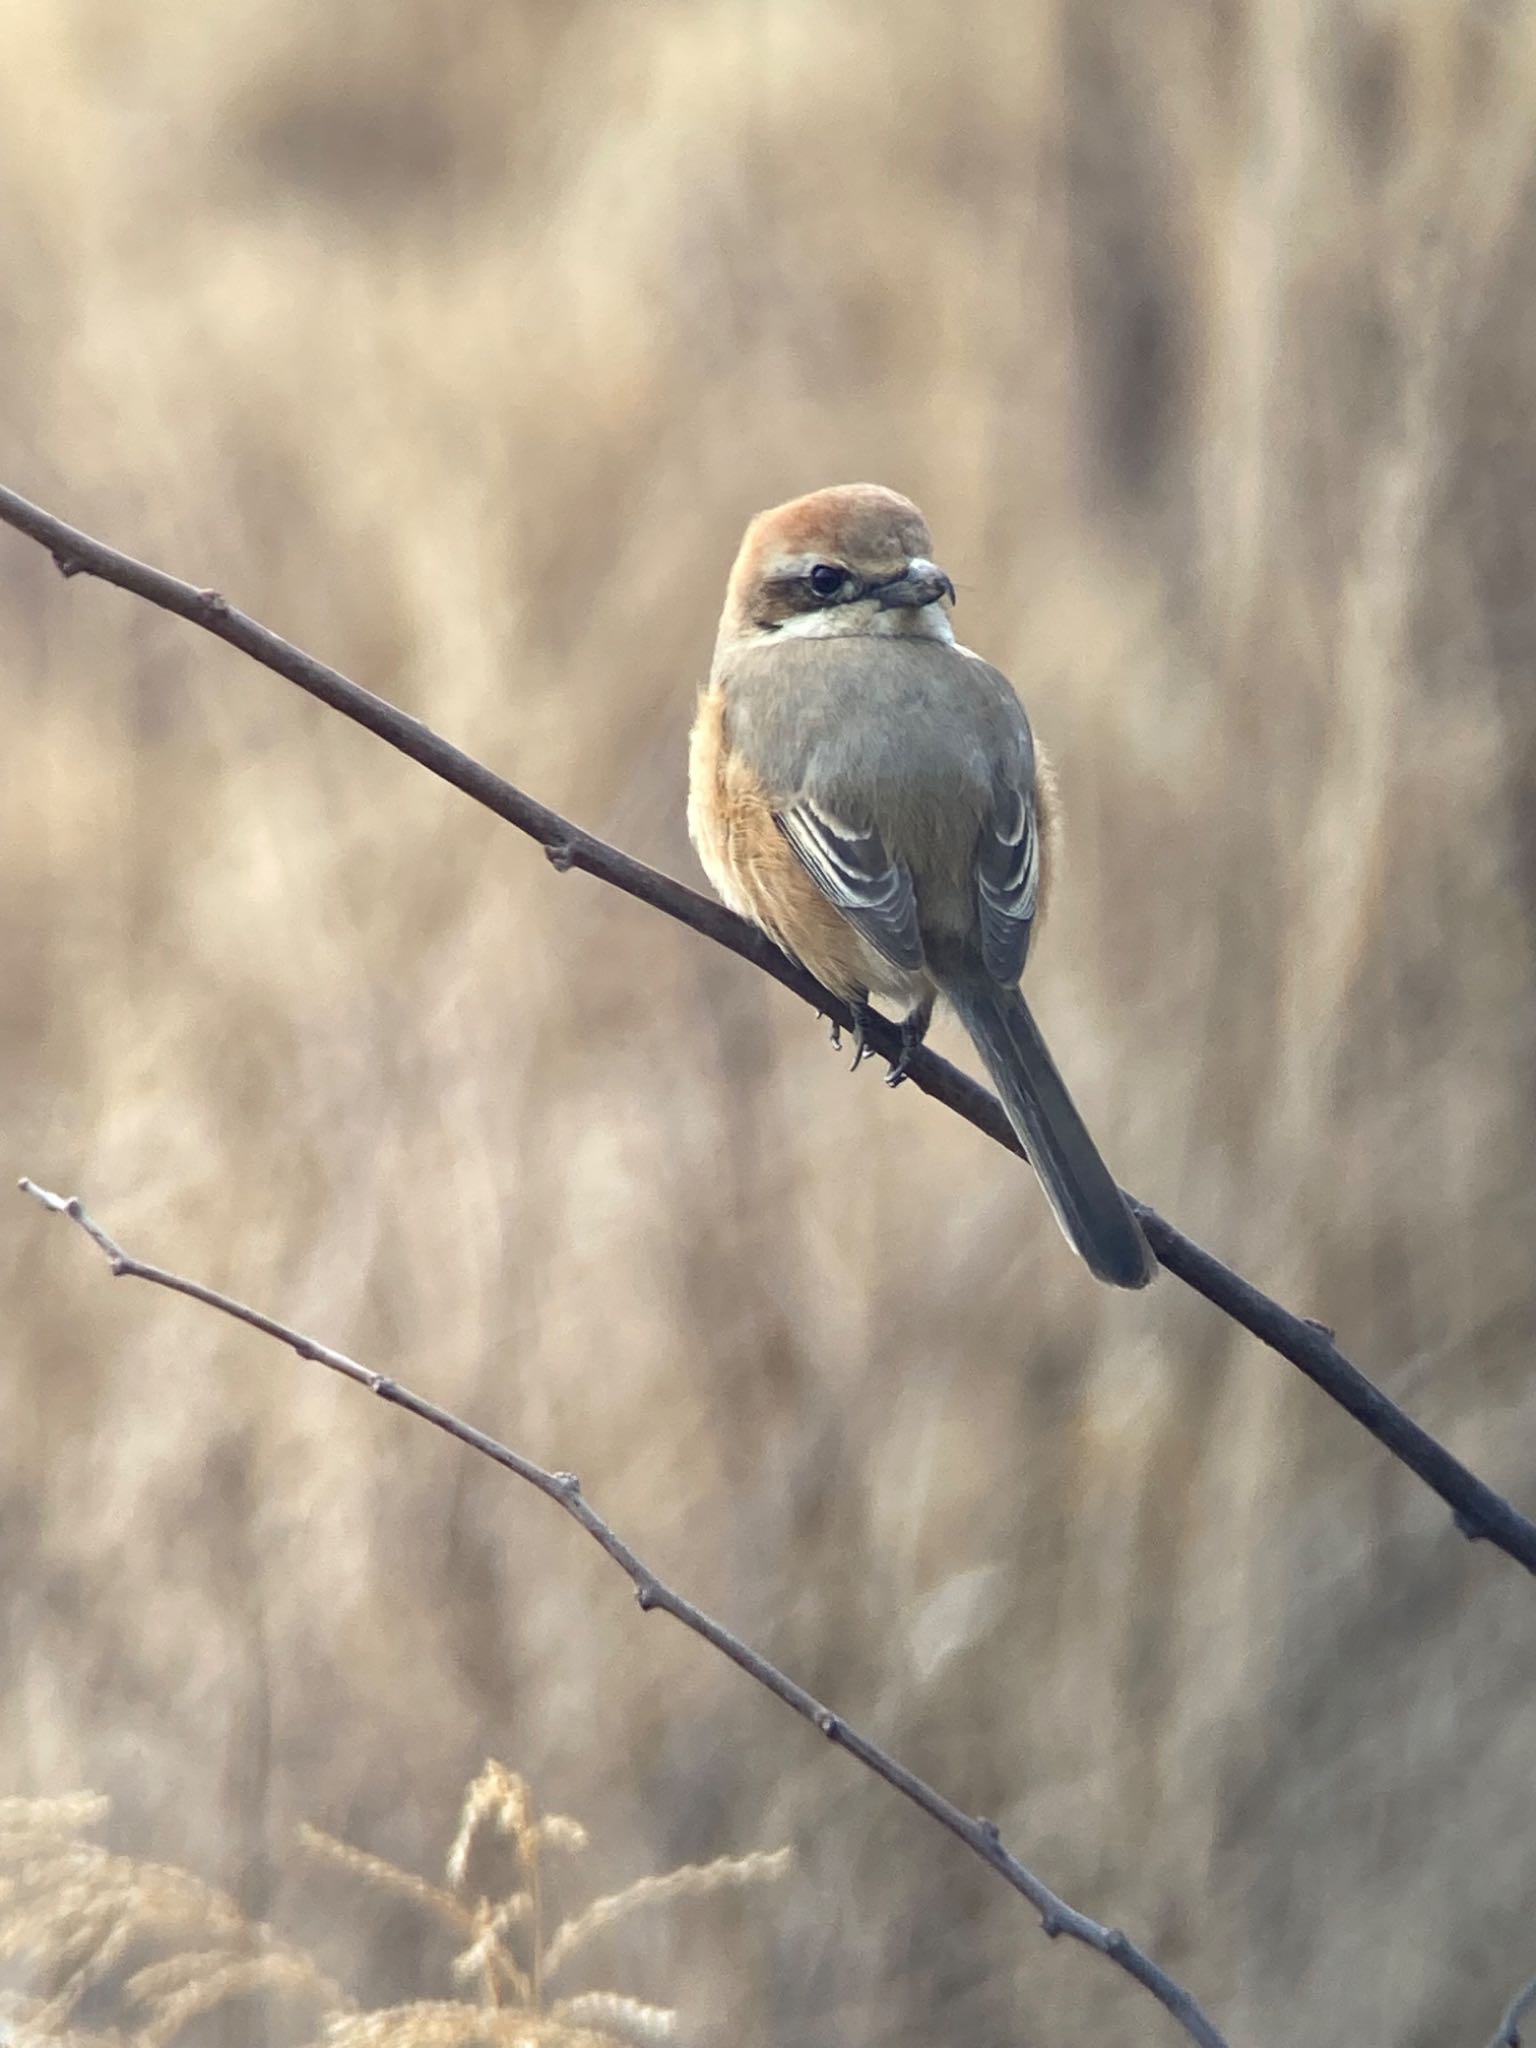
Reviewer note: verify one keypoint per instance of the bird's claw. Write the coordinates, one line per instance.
(914, 1029)
(861, 1048)
(901, 1065)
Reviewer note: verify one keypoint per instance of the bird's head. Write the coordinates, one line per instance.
(853, 559)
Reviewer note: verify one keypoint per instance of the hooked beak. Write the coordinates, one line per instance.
(922, 582)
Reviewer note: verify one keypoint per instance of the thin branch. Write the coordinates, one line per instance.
(1478, 1511)
(564, 1489)
(1508, 2034)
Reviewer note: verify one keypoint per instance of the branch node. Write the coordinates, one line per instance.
(829, 1724)
(645, 1595)
(66, 563)
(1472, 1526)
(1051, 1923)
(990, 1829)
(561, 855)
(1117, 1945)
(213, 604)
(569, 1485)
(1325, 1330)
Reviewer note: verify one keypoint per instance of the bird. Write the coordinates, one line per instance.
(870, 794)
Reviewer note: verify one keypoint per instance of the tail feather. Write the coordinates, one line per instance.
(1094, 1216)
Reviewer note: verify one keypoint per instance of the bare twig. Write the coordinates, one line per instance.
(1478, 1511)
(1508, 2033)
(980, 1836)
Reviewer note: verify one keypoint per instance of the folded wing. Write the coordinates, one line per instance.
(1008, 880)
(850, 865)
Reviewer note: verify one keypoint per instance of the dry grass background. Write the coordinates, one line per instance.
(151, 1953)
(457, 341)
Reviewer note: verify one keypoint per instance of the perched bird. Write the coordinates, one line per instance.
(870, 794)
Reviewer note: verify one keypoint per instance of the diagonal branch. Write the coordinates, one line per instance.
(1479, 1512)
(1509, 2033)
(564, 1489)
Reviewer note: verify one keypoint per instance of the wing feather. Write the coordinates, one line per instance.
(850, 866)
(1008, 880)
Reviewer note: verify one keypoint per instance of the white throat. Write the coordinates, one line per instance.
(866, 619)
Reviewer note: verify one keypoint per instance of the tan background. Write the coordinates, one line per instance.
(457, 341)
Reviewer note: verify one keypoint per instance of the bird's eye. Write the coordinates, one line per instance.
(827, 580)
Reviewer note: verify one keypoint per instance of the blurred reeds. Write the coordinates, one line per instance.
(457, 342)
(150, 1955)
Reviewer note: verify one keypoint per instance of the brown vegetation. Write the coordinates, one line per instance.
(458, 341)
(151, 1954)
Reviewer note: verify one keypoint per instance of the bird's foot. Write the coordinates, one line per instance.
(914, 1029)
(859, 1006)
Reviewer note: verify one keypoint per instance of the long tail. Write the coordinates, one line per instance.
(1090, 1208)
